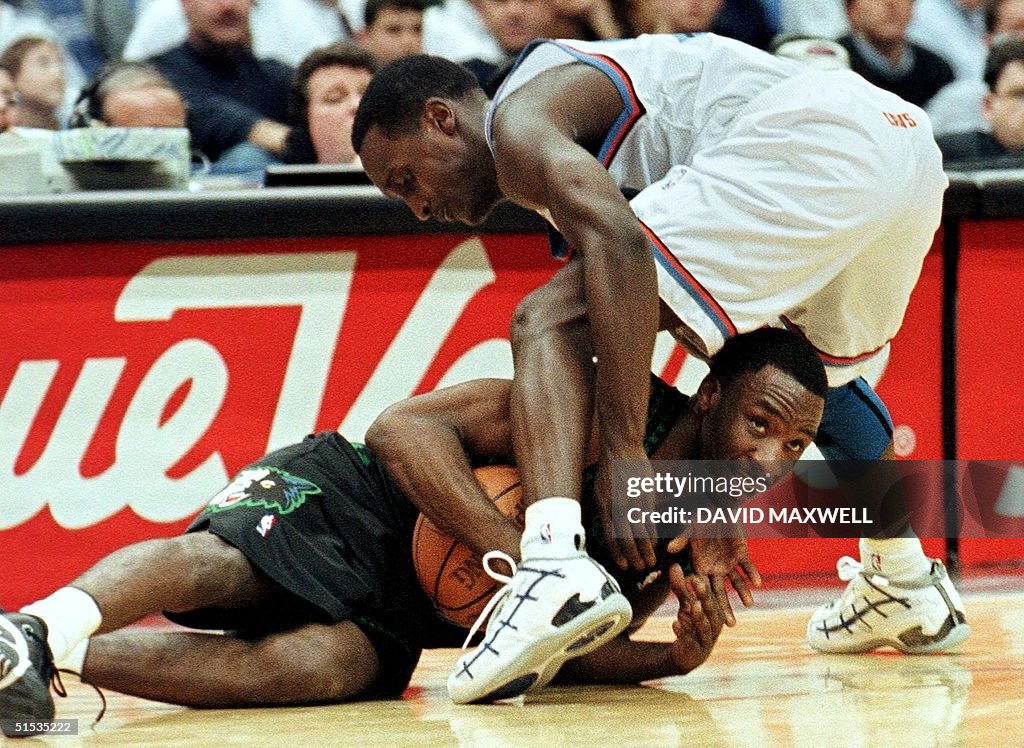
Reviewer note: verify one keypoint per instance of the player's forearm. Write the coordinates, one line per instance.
(622, 306)
(619, 286)
(622, 660)
(426, 460)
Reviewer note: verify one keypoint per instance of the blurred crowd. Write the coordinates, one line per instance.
(278, 81)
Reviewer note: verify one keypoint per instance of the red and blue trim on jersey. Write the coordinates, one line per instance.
(671, 265)
(827, 358)
(632, 108)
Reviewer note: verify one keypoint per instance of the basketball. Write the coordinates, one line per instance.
(451, 573)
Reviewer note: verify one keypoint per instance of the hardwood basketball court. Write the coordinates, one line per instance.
(761, 686)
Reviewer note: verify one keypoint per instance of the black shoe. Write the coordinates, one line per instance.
(26, 669)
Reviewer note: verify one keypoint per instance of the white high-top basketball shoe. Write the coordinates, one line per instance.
(927, 616)
(550, 611)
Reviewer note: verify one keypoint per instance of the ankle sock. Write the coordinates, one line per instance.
(71, 616)
(900, 560)
(553, 529)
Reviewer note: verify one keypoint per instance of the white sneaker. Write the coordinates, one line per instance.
(550, 611)
(872, 613)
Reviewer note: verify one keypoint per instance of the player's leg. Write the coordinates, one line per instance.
(841, 269)
(311, 664)
(896, 595)
(552, 402)
(560, 603)
(194, 571)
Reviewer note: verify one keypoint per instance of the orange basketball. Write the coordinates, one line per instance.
(451, 573)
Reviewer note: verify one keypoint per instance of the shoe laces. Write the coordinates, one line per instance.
(62, 692)
(52, 673)
(498, 596)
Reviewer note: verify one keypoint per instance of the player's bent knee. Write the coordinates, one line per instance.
(528, 319)
(211, 571)
(542, 314)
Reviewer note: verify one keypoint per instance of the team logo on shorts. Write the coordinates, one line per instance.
(266, 524)
(267, 487)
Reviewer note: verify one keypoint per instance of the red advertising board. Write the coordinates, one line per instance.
(990, 388)
(136, 378)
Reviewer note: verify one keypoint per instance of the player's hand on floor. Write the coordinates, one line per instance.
(698, 622)
(631, 545)
(725, 561)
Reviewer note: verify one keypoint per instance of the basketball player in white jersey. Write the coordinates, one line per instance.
(767, 193)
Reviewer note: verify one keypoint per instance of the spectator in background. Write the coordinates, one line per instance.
(954, 29)
(605, 19)
(129, 94)
(37, 67)
(325, 94)
(1002, 107)
(880, 52)
(286, 30)
(17, 22)
(958, 106)
(70, 19)
(237, 102)
(393, 29)
(513, 24)
(689, 16)
(748, 21)
(455, 29)
(745, 20)
(8, 98)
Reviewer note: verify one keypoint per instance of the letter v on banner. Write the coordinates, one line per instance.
(457, 280)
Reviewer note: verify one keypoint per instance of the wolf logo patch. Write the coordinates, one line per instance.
(265, 487)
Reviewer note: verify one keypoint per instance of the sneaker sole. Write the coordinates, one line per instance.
(12, 637)
(536, 666)
(957, 635)
(593, 639)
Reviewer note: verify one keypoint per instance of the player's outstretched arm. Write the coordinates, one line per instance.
(424, 443)
(543, 140)
(698, 623)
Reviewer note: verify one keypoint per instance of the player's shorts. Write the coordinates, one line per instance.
(814, 210)
(322, 520)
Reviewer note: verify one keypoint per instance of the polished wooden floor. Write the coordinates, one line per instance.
(762, 686)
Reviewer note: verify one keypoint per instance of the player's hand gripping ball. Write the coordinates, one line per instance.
(451, 573)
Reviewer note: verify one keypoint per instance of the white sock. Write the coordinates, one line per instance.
(75, 660)
(900, 560)
(554, 528)
(70, 615)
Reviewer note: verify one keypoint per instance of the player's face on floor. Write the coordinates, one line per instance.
(766, 417)
(433, 170)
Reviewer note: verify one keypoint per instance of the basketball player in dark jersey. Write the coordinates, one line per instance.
(304, 559)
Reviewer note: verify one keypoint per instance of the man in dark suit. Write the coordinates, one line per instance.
(237, 102)
(1002, 107)
(880, 52)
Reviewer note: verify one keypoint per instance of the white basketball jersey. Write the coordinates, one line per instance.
(772, 193)
(675, 103)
